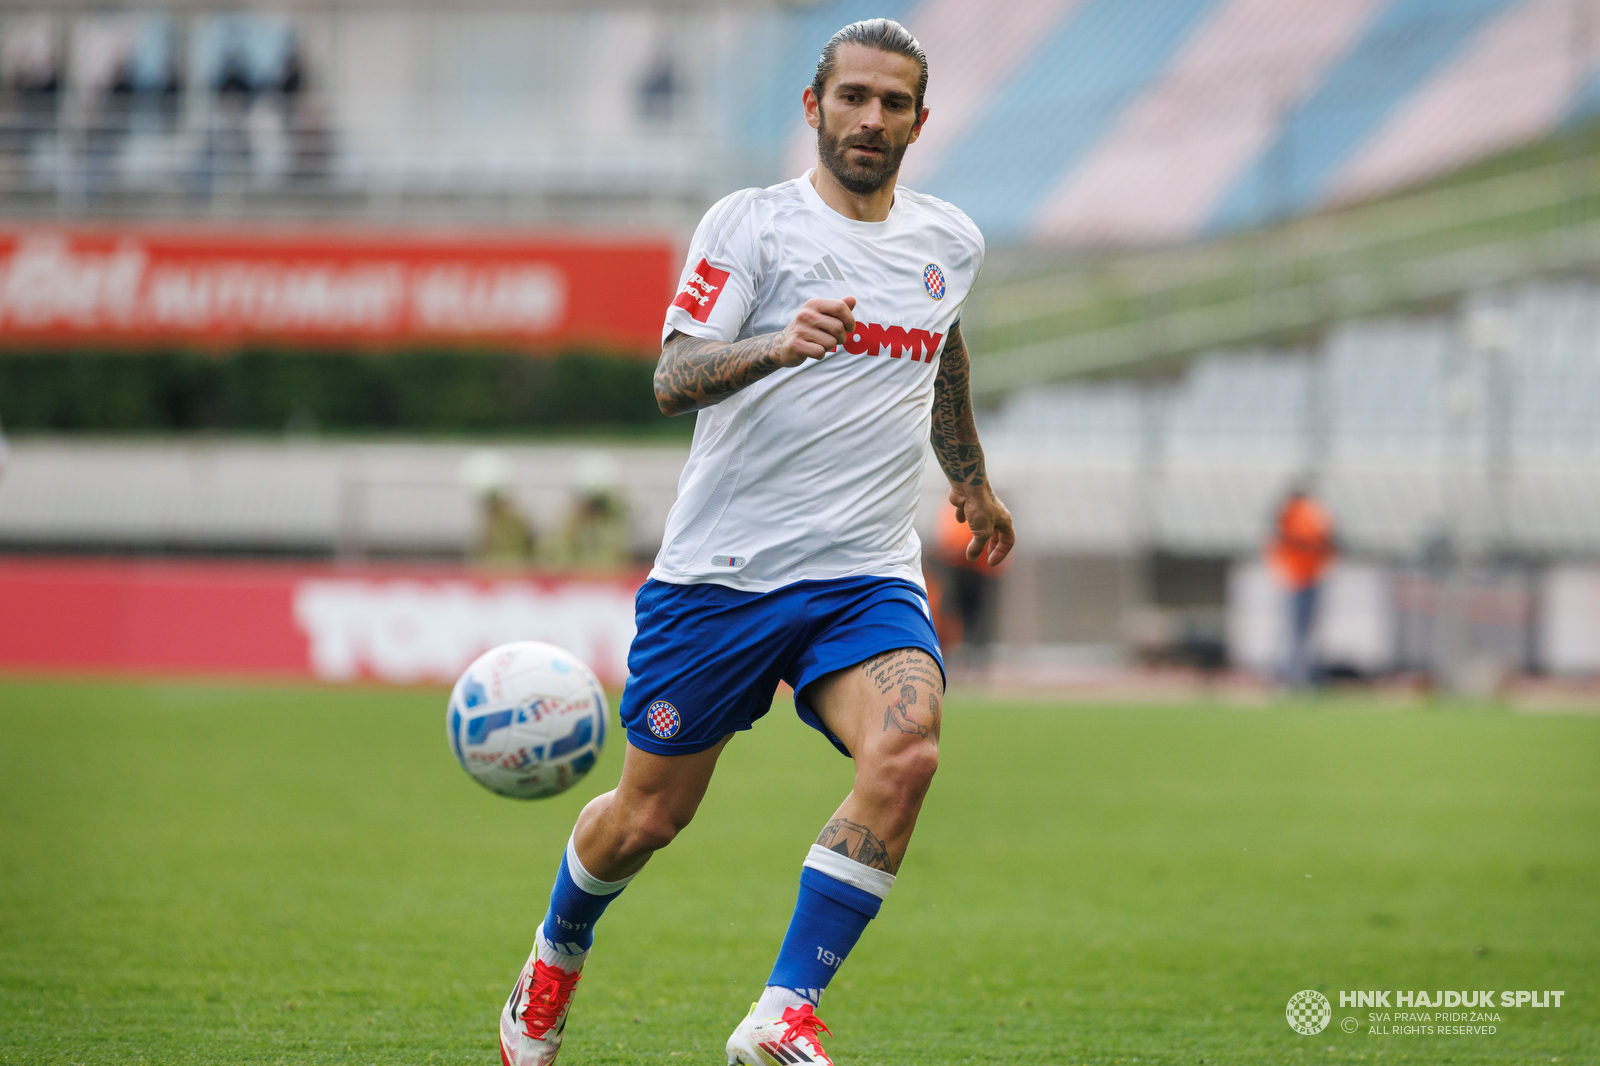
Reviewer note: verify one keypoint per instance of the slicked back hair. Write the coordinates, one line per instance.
(886, 35)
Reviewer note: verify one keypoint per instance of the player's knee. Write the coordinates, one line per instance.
(920, 761)
(903, 776)
(653, 826)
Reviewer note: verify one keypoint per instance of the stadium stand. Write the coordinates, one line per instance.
(976, 49)
(1158, 174)
(1077, 122)
(1514, 77)
(1405, 46)
(1132, 123)
(1396, 417)
(1050, 114)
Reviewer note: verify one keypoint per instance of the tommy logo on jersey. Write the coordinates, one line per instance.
(870, 338)
(699, 293)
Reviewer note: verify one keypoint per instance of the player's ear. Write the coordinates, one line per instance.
(808, 99)
(916, 127)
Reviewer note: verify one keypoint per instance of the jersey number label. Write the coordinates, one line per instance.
(700, 291)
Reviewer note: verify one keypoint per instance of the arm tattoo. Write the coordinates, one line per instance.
(695, 373)
(855, 841)
(955, 434)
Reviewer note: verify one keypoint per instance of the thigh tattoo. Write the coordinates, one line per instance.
(897, 675)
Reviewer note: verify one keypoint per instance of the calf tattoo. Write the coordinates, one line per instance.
(855, 841)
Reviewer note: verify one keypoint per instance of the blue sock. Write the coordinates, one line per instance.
(838, 897)
(576, 902)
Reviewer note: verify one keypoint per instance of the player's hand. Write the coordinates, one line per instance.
(821, 326)
(990, 522)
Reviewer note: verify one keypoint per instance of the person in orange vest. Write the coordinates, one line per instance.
(1300, 551)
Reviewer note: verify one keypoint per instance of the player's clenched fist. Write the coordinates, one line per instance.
(821, 326)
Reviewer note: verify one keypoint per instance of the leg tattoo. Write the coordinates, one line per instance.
(894, 668)
(855, 841)
(897, 717)
(897, 673)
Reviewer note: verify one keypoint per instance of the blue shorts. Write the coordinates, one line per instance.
(707, 658)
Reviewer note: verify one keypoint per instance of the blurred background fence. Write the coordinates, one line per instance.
(1235, 245)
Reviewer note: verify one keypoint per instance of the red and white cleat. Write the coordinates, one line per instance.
(535, 1016)
(782, 1041)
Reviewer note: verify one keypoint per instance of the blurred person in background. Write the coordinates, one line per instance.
(1301, 548)
(969, 593)
(595, 536)
(505, 537)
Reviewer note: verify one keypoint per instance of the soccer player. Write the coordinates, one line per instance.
(817, 332)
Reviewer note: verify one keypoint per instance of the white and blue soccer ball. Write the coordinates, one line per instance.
(527, 720)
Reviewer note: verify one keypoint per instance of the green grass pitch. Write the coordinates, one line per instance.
(205, 873)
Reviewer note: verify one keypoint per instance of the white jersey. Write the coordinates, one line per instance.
(814, 472)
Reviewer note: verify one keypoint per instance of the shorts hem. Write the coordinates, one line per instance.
(732, 579)
(859, 656)
(656, 746)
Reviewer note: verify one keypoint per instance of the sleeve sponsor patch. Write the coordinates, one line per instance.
(700, 290)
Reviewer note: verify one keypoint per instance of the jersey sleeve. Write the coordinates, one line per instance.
(973, 239)
(717, 292)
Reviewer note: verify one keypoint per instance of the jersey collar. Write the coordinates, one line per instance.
(849, 225)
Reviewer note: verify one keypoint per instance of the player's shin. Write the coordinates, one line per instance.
(576, 903)
(838, 897)
(534, 1018)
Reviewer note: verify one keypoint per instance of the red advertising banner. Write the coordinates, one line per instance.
(400, 625)
(337, 286)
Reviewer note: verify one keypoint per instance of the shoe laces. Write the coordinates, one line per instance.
(803, 1021)
(548, 996)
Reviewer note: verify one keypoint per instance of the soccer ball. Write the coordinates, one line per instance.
(527, 720)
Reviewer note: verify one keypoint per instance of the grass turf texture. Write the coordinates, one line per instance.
(238, 874)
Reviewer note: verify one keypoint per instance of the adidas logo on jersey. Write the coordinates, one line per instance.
(871, 338)
(824, 270)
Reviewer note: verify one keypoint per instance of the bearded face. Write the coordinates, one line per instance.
(861, 162)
